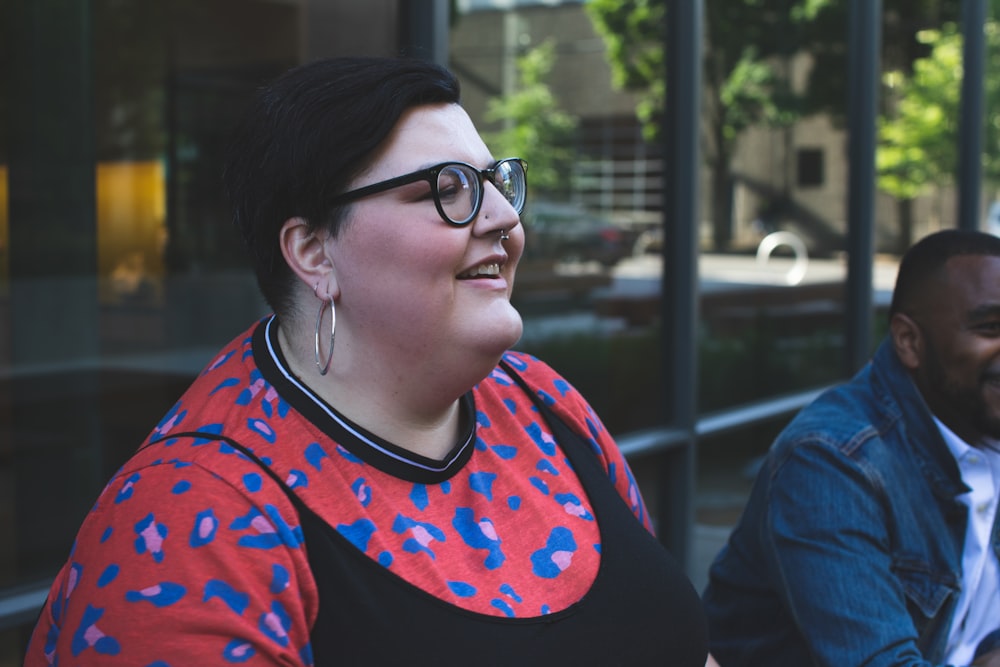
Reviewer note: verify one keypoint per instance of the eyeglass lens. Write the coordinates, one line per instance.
(459, 189)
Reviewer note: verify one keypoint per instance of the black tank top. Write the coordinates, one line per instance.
(640, 610)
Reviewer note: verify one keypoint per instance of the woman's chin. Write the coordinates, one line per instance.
(515, 335)
(505, 331)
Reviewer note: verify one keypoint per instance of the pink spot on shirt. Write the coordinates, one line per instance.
(241, 650)
(562, 559)
(74, 578)
(274, 624)
(92, 635)
(152, 538)
(421, 535)
(205, 527)
(263, 427)
(489, 530)
(218, 362)
(262, 525)
(169, 424)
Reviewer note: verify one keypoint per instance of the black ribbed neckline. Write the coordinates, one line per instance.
(370, 448)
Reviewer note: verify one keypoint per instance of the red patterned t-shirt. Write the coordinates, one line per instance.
(193, 555)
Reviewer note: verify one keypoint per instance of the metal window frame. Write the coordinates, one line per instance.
(676, 443)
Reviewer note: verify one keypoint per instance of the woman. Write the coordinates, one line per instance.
(355, 480)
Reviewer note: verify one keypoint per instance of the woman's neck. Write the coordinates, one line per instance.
(414, 407)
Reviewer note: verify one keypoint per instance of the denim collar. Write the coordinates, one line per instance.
(901, 398)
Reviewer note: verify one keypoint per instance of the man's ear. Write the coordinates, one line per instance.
(907, 339)
(304, 249)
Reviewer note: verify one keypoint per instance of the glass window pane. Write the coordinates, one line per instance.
(536, 81)
(773, 200)
(120, 271)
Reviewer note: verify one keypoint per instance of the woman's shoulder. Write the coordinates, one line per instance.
(536, 373)
(554, 390)
(194, 531)
(226, 377)
(573, 409)
(228, 395)
(191, 469)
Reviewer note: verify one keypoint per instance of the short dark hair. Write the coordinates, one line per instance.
(929, 254)
(305, 136)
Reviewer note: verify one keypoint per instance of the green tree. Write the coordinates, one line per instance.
(745, 84)
(747, 44)
(917, 148)
(534, 128)
(919, 134)
(825, 37)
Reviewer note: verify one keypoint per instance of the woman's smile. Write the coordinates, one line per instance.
(481, 271)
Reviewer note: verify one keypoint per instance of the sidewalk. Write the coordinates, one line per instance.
(719, 272)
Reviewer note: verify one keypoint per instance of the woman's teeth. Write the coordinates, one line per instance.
(482, 270)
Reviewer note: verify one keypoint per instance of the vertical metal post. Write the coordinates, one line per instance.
(970, 126)
(864, 38)
(54, 312)
(681, 221)
(424, 29)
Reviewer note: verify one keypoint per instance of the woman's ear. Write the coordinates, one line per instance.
(304, 249)
(907, 339)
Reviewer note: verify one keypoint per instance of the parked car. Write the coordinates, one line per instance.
(570, 233)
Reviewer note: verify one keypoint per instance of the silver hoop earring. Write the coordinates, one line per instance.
(323, 368)
(504, 235)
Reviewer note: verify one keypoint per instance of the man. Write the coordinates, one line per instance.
(871, 535)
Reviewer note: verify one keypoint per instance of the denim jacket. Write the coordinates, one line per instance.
(849, 549)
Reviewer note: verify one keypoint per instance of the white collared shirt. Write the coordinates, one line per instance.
(977, 613)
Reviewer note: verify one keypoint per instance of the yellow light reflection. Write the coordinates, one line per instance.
(131, 231)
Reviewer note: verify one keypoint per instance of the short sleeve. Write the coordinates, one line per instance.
(177, 566)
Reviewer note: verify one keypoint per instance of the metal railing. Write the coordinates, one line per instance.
(20, 606)
(649, 442)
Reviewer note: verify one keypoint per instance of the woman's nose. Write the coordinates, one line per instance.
(496, 213)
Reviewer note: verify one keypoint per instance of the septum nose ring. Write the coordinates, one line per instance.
(504, 236)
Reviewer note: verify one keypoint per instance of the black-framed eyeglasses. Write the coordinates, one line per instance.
(457, 187)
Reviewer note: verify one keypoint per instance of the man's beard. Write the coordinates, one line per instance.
(965, 402)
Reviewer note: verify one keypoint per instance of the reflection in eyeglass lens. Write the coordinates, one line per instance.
(457, 191)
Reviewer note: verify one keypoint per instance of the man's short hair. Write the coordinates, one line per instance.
(926, 257)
